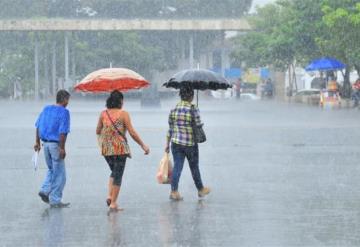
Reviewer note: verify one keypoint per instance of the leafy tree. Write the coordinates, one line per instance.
(168, 8)
(22, 8)
(291, 32)
(63, 8)
(16, 61)
(121, 49)
(343, 22)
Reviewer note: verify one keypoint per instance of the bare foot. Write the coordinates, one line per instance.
(115, 209)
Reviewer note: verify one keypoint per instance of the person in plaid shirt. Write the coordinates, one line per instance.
(180, 135)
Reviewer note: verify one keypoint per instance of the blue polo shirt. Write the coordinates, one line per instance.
(53, 121)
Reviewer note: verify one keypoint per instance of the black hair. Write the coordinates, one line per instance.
(61, 96)
(186, 93)
(115, 100)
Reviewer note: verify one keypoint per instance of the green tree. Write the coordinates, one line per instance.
(121, 49)
(343, 23)
(295, 32)
(168, 8)
(16, 61)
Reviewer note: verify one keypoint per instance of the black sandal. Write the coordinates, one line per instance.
(108, 202)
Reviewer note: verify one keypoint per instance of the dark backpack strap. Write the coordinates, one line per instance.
(113, 124)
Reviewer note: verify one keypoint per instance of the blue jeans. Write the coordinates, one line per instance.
(55, 179)
(191, 153)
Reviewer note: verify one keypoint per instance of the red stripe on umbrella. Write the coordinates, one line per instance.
(110, 79)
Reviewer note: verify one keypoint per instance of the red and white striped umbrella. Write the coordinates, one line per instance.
(110, 79)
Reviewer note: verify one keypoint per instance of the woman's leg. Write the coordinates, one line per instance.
(179, 158)
(114, 196)
(192, 155)
(110, 161)
(119, 167)
(110, 186)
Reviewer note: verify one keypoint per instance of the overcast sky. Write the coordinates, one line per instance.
(260, 3)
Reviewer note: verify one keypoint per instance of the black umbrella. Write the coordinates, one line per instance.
(199, 79)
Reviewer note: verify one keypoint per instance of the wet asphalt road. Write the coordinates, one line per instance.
(281, 175)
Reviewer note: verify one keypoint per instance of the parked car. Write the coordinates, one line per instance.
(249, 96)
(248, 87)
(308, 96)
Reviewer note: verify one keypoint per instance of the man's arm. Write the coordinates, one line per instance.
(62, 145)
(64, 130)
(37, 146)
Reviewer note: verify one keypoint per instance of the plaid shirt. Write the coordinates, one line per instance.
(180, 130)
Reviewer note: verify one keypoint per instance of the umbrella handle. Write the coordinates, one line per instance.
(197, 98)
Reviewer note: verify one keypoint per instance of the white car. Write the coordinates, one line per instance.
(307, 96)
(223, 94)
(249, 96)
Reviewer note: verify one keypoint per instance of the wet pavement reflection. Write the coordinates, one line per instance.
(53, 226)
(281, 175)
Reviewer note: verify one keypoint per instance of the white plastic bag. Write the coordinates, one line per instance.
(35, 160)
(165, 170)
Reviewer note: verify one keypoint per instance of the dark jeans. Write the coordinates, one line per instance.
(356, 97)
(191, 153)
(117, 167)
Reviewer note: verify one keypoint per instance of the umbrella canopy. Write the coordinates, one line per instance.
(324, 64)
(110, 79)
(200, 79)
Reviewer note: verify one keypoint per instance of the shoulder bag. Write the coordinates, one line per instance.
(198, 131)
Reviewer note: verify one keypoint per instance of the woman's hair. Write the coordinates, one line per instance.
(186, 93)
(115, 100)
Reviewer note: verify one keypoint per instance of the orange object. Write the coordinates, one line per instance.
(332, 86)
(110, 79)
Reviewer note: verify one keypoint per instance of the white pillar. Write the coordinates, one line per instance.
(54, 83)
(46, 70)
(191, 51)
(66, 59)
(225, 61)
(210, 59)
(36, 69)
(73, 63)
(203, 61)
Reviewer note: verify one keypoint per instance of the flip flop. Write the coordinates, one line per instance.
(108, 202)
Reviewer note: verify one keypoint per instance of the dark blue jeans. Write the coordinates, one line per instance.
(191, 153)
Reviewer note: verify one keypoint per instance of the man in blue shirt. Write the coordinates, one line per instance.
(52, 127)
